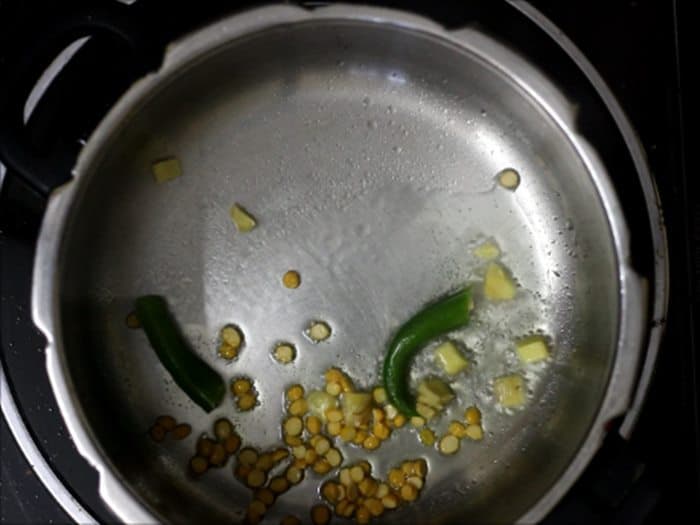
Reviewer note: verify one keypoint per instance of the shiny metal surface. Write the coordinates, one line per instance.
(40, 466)
(659, 288)
(366, 143)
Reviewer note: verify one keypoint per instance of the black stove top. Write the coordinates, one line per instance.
(637, 46)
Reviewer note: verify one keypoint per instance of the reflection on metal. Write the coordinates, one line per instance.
(659, 293)
(49, 74)
(36, 460)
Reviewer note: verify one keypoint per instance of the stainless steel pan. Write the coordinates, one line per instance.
(366, 142)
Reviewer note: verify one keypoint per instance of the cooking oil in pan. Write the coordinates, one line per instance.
(354, 244)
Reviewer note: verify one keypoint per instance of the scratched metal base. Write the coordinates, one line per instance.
(367, 152)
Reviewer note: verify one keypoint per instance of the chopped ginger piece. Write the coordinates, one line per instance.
(435, 393)
(450, 358)
(319, 403)
(510, 390)
(417, 421)
(425, 411)
(487, 250)
(166, 169)
(243, 220)
(356, 403)
(532, 349)
(498, 286)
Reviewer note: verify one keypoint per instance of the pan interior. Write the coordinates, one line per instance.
(368, 155)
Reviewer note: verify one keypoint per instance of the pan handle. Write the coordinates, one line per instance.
(42, 150)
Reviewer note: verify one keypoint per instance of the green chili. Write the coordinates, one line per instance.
(447, 314)
(197, 379)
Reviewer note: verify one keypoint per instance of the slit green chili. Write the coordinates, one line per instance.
(197, 379)
(436, 319)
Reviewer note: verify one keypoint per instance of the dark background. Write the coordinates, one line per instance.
(641, 49)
